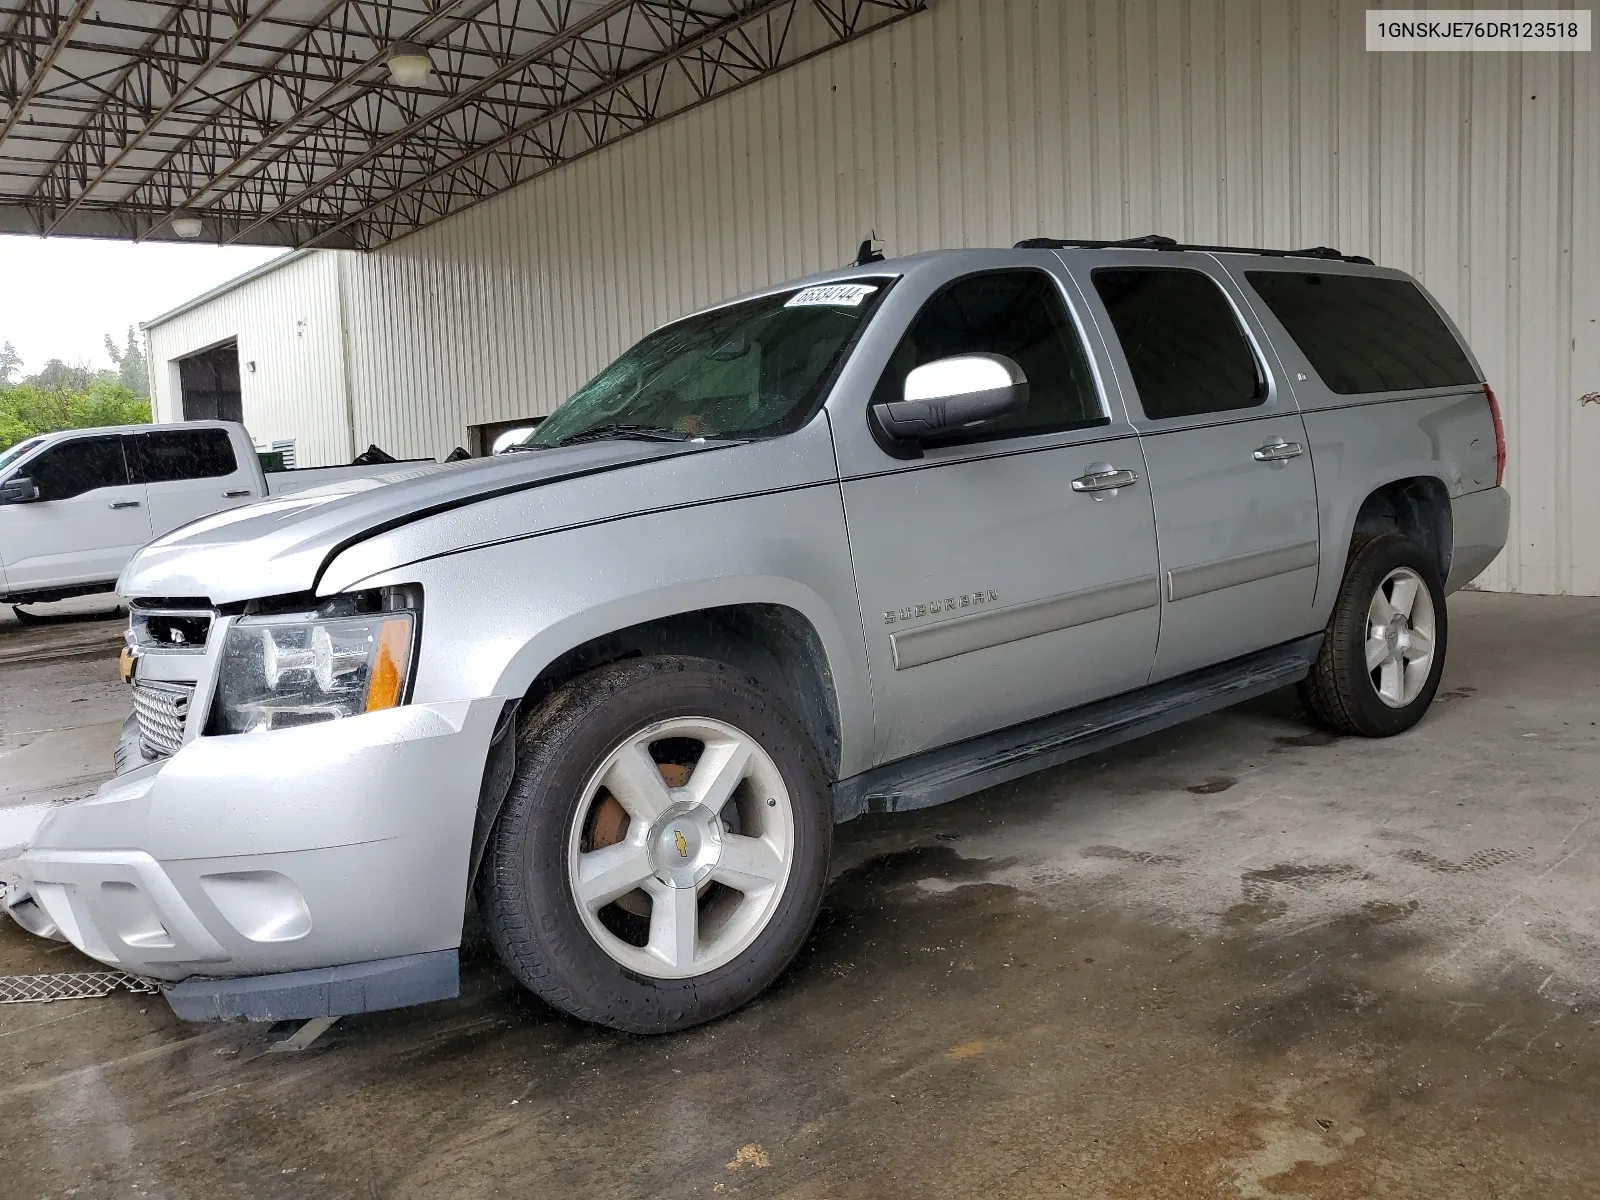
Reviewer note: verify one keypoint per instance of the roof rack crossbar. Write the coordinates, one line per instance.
(1155, 241)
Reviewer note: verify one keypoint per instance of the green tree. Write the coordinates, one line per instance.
(10, 363)
(58, 376)
(27, 409)
(12, 430)
(130, 363)
(108, 404)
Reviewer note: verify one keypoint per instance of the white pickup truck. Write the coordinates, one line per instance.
(76, 505)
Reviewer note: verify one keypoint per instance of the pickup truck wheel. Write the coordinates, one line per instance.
(1384, 648)
(663, 849)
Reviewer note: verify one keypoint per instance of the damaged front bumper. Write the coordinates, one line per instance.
(299, 873)
(17, 902)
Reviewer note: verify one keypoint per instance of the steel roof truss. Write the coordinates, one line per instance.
(276, 121)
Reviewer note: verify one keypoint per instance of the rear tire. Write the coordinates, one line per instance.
(654, 904)
(1384, 647)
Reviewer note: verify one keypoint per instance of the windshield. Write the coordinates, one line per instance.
(7, 457)
(745, 370)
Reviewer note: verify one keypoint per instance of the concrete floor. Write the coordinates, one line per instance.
(61, 708)
(1241, 958)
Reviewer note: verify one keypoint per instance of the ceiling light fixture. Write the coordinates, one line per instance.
(187, 224)
(409, 64)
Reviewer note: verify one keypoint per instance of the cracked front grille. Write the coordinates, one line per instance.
(162, 709)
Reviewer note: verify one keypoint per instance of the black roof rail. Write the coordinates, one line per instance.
(1155, 241)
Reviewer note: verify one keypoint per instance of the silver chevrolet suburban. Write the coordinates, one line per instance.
(867, 542)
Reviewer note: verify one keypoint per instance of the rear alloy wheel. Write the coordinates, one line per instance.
(1401, 633)
(662, 851)
(1383, 651)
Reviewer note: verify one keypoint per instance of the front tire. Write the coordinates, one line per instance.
(1384, 648)
(663, 849)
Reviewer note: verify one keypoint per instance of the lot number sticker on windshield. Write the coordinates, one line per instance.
(847, 295)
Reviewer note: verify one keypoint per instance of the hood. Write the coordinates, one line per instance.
(279, 547)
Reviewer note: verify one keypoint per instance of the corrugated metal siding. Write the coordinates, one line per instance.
(1244, 121)
(1577, 432)
(288, 322)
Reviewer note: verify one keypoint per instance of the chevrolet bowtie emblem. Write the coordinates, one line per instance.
(683, 846)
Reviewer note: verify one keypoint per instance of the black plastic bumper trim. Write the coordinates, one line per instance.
(321, 992)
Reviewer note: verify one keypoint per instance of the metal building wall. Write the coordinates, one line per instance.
(1238, 121)
(288, 321)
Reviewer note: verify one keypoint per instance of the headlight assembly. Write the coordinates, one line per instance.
(305, 668)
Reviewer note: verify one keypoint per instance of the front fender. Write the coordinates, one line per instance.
(676, 599)
(494, 617)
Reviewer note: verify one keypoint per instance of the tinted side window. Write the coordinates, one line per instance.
(1364, 334)
(180, 454)
(1183, 344)
(1016, 313)
(76, 467)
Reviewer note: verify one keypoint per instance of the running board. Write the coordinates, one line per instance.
(950, 772)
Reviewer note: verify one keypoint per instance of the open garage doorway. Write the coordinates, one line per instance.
(494, 437)
(210, 384)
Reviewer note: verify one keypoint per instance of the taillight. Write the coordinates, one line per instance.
(1499, 437)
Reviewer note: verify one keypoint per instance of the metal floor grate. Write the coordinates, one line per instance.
(68, 985)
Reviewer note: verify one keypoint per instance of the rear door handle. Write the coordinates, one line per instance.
(1279, 451)
(124, 504)
(236, 493)
(1104, 481)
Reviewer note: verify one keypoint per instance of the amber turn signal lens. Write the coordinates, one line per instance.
(389, 661)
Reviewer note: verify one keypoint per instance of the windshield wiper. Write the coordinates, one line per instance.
(649, 433)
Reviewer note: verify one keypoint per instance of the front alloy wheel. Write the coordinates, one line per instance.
(663, 848)
(674, 881)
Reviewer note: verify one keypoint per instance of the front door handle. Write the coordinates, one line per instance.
(236, 493)
(1108, 480)
(1279, 450)
(124, 504)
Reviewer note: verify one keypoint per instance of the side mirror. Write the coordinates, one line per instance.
(18, 490)
(954, 393)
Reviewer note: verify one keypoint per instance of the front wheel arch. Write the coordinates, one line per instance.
(774, 643)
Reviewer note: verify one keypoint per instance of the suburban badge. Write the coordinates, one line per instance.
(948, 604)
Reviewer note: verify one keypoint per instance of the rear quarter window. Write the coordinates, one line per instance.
(1365, 334)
